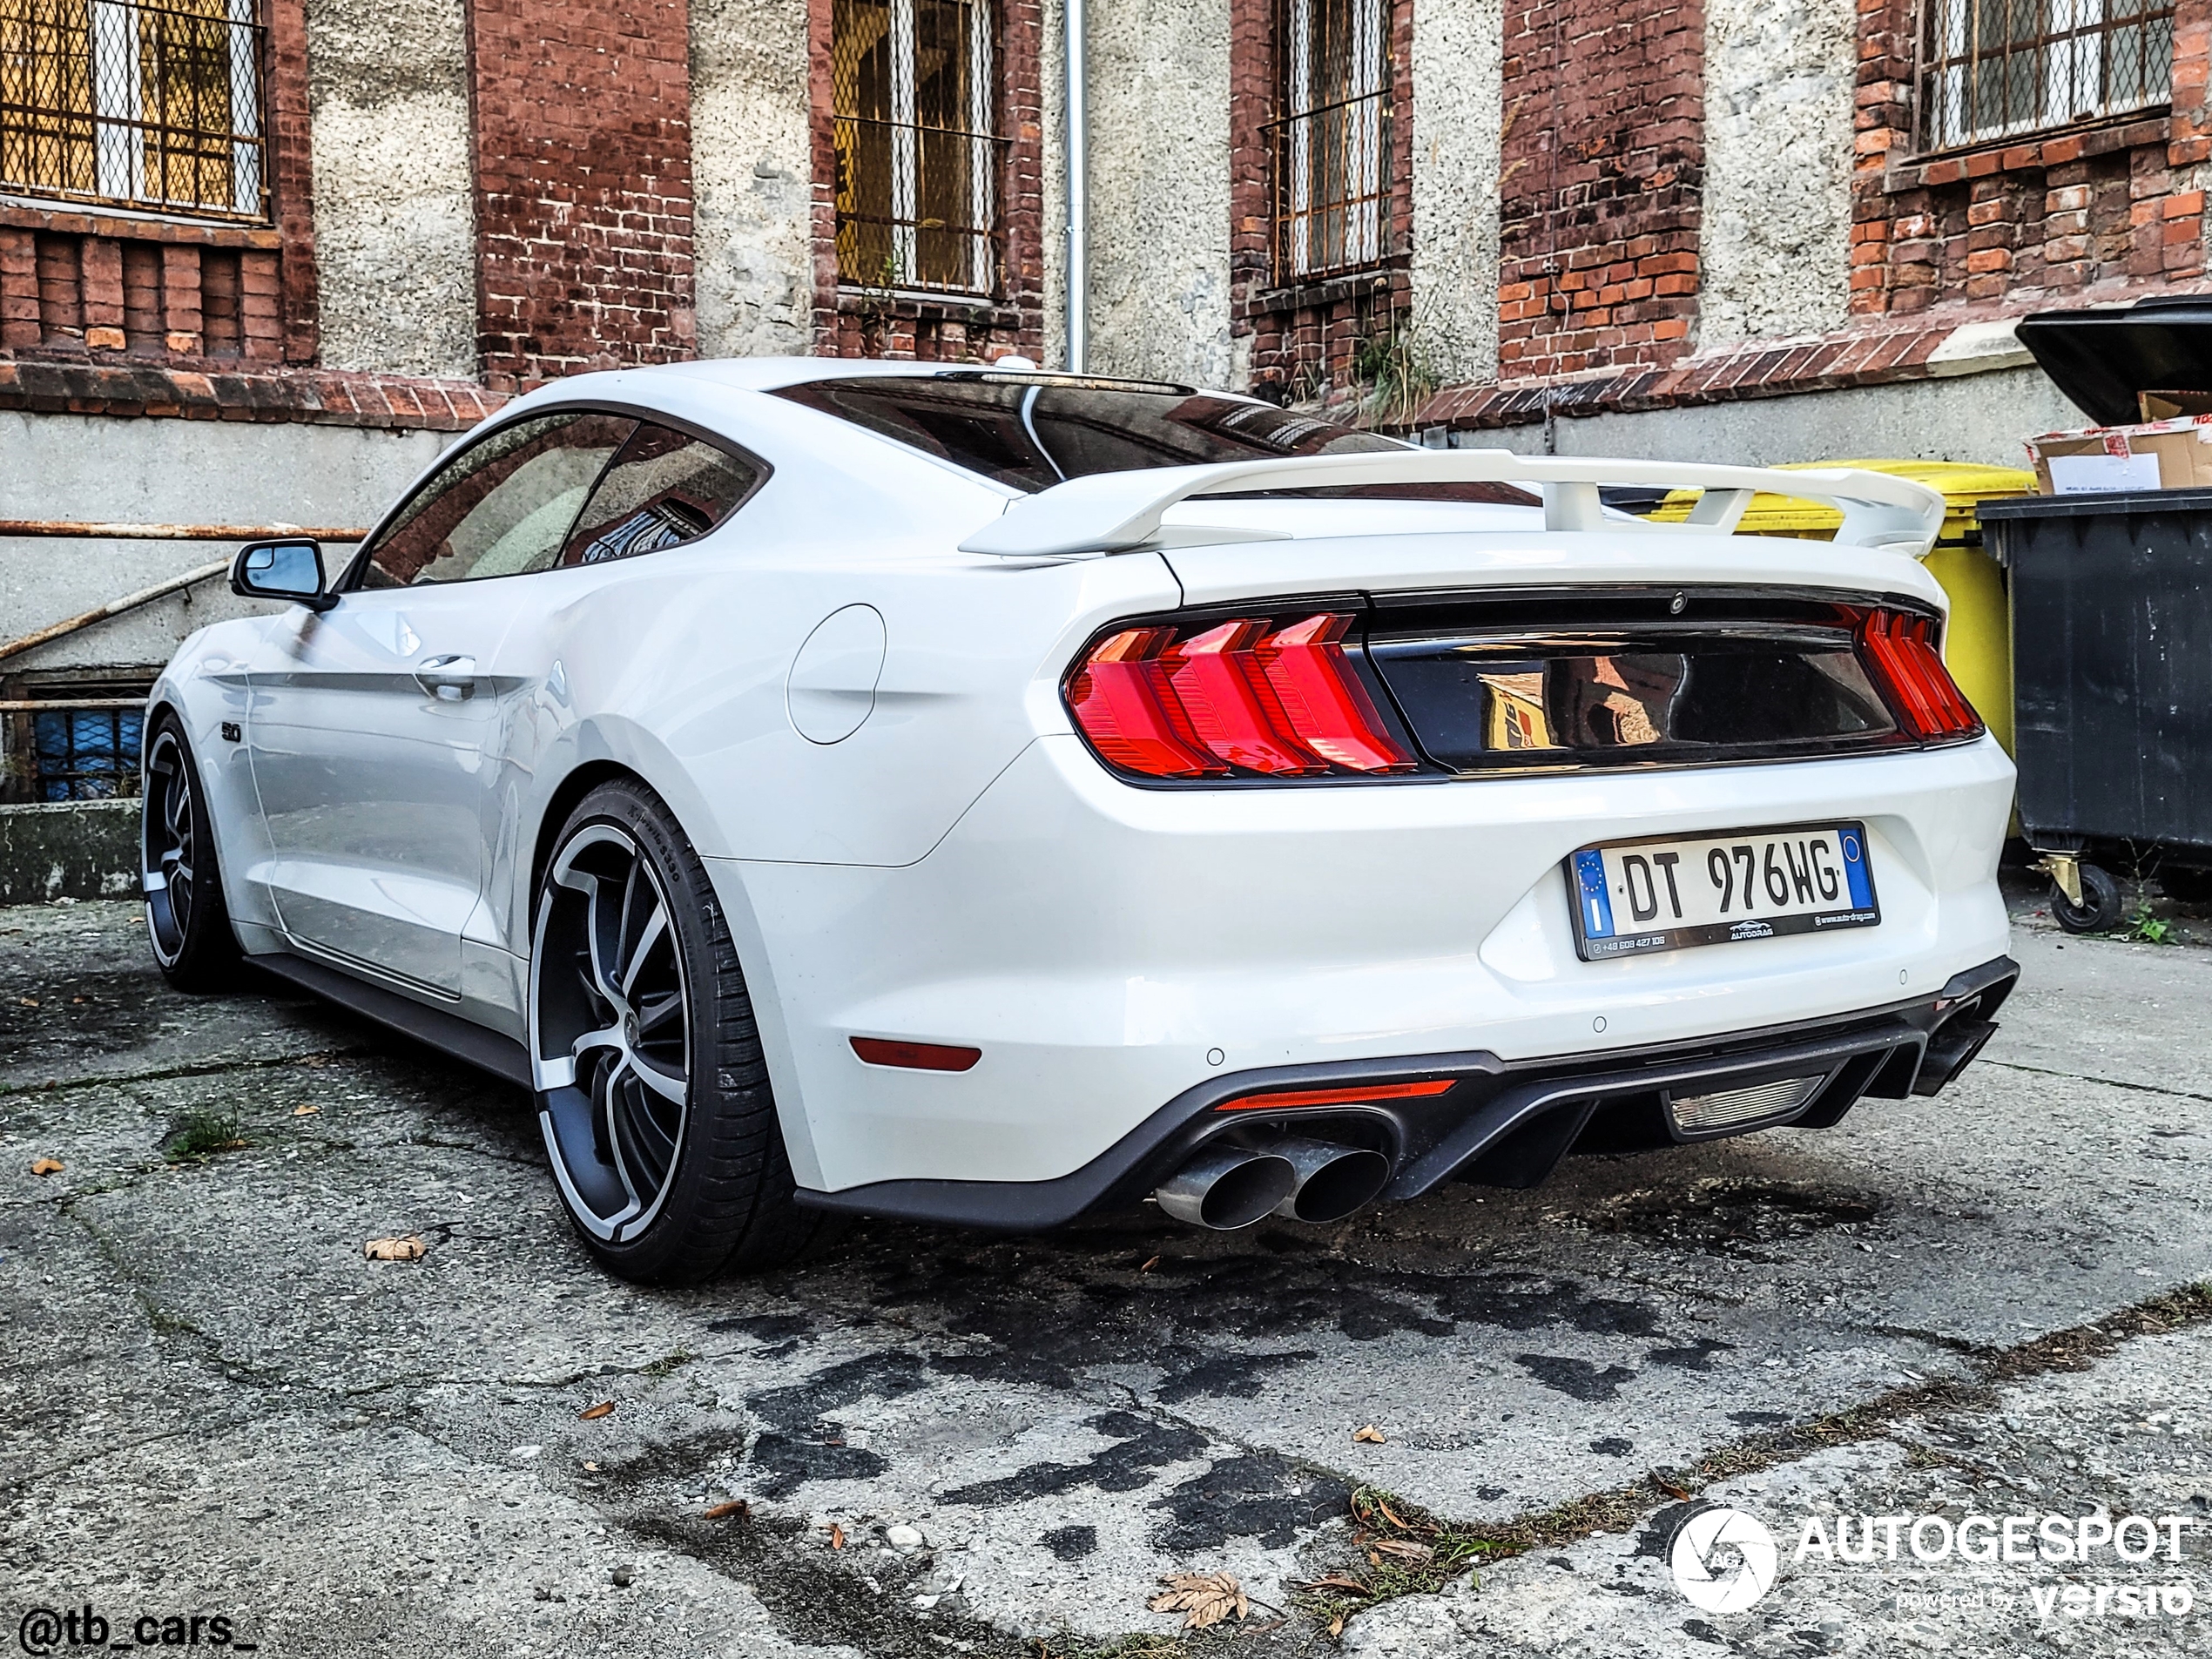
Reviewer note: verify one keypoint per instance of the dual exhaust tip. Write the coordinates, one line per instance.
(1227, 1187)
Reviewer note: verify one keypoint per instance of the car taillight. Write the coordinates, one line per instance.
(1901, 650)
(1349, 1094)
(1234, 696)
(1122, 700)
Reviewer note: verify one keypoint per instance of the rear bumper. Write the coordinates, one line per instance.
(1503, 1123)
(1108, 948)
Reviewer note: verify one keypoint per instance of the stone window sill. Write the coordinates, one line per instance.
(977, 310)
(21, 213)
(2029, 153)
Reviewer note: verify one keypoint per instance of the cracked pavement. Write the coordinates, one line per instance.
(213, 1404)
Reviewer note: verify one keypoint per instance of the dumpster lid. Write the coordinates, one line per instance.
(2102, 358)
(2090, 503)
(1964, 485)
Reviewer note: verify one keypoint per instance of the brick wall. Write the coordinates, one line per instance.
(2084, 212)
(1602, 168)
(1306, 335)
(584, 186)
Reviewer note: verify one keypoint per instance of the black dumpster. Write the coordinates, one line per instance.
(2104, 360)
(2112, 688)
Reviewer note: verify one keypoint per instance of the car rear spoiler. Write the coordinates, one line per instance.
(1120, 512)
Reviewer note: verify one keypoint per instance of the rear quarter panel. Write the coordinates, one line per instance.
(679, 666)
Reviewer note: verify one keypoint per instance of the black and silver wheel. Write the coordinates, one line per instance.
(2099, 911)
(651, 1089)
(185, 916)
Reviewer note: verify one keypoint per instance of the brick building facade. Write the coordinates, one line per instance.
(1758, 229)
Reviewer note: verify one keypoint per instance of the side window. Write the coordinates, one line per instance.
(664, 488)
(502, 506)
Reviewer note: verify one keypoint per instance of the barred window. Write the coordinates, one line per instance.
(134, 103)
(1990, 68)
(1331, 138)
(917, 161)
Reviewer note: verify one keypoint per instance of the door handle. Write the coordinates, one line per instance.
(450, 678)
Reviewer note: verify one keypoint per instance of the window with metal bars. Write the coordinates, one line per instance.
(1331, 137)
(147, 104)
(1991, 69)
(87, 754)
(913, 97)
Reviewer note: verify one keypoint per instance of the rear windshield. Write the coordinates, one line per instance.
(1032, 432)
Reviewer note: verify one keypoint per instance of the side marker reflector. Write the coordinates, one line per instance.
(915, 1056)
(1351, 1095)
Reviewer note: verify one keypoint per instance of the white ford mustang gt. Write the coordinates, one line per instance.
(988, 796)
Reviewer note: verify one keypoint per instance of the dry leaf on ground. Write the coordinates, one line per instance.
(837, 1536)
(409, 1249)
(593, 1414)
(1204, 1599)
(1339, 1581)
(304, 1111)
(1404, 1549)
(739, 1510)
(1367, 1433)
(46, 1166)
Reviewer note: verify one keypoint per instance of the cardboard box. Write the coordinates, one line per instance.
(2165, 406)
(2157, 455)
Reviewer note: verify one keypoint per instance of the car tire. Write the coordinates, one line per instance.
(2099, 911)
(653, 1091)
(186, 917)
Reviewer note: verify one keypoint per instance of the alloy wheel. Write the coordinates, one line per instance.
(167, 852)
(610, 1032)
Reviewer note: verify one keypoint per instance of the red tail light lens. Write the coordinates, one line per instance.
(1234, 696)
(1219, 678)
(1322, 699)
(1900, 649)
(1122, 700)
(1283, 1099)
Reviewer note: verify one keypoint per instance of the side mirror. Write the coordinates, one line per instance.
(291, 569)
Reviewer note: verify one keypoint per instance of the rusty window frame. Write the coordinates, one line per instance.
(159, 105)
(1993, 70)
(913, 92)
(1329, 145)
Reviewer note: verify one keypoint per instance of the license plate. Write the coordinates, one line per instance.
(1632, 898)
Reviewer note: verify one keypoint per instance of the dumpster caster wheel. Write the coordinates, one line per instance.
(2099, 911)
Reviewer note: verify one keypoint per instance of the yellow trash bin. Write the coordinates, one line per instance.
(1978, 643)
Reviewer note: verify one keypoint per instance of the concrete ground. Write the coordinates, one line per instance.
(213, 1406)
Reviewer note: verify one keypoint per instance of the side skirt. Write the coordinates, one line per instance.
(449, 1034)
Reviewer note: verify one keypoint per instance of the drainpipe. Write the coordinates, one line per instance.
(1078, 327)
